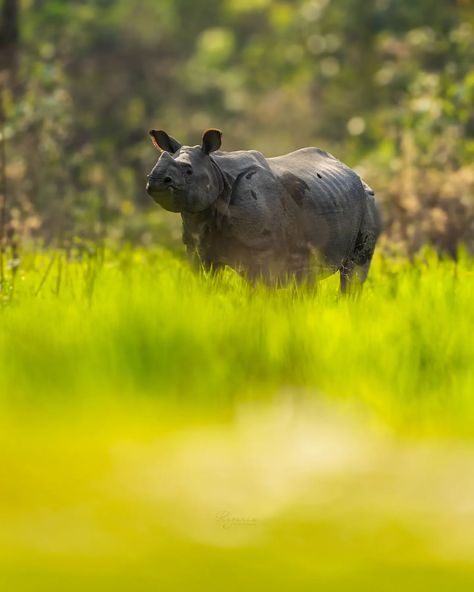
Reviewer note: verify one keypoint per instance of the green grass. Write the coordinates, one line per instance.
(166, 429)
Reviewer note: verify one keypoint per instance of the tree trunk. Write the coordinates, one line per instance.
(9, 41)
(9, 36)
(9, 24)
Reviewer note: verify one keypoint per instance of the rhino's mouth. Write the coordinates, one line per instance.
(170, 199)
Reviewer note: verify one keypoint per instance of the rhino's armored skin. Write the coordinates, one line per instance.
(298, 214)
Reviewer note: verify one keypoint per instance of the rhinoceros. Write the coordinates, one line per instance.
(304, 214)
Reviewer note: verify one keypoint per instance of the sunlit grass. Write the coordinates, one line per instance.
(153, 417)
(143, 324)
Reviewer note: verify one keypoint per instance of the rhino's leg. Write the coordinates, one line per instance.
(353, 283)
(354, 271)
(346, 272)
(361, 271)
(352, 277)
(365, 244)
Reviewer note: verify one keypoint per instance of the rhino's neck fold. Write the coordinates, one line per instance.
(219, 175)
(200, 229)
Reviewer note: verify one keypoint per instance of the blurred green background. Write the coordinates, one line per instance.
(386, 85)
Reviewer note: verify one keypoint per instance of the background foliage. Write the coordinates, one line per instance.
(385, 85)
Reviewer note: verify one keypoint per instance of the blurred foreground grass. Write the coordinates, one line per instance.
(163, 429)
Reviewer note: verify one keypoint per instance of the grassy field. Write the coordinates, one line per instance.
(163, 429)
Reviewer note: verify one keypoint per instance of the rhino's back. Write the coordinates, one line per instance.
(328, 184)
(237, 162)
(330, 197)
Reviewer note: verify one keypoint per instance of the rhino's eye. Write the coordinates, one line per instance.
(189, 172)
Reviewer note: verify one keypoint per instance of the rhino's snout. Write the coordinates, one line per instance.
(165, 193)
(158, 184)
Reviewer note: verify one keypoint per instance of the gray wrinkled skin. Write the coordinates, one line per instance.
(304, 214)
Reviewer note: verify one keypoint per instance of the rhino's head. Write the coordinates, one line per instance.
(185, 179)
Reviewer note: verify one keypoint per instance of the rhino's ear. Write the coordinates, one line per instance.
(211, 140)
(162, 141)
